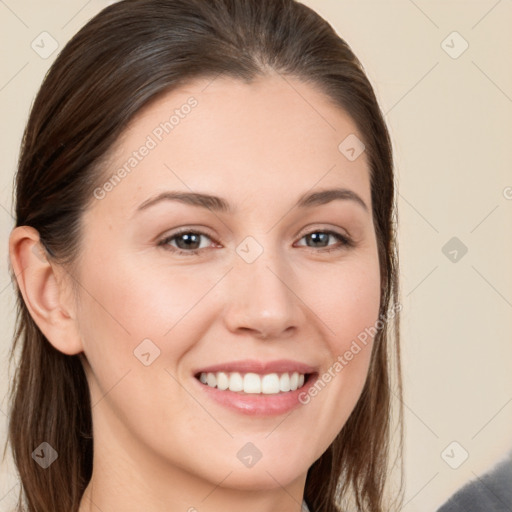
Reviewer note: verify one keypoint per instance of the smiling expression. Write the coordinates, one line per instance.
(234, 262)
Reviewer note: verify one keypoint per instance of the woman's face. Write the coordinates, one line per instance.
(260, 284)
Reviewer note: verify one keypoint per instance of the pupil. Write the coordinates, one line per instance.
(189, 239)
(319, 237)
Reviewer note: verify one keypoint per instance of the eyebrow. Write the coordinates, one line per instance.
(219, 204)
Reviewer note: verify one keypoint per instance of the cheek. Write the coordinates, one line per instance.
(348, 306)
(137, 325)
(135, 322)
(127, 303)
(348, 301)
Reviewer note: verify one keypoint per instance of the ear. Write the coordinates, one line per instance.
(46, 290)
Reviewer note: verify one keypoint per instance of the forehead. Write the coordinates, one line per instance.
(276, 135)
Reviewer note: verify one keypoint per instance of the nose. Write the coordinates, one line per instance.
(262, 301)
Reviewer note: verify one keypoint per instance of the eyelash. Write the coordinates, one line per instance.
(345, 241)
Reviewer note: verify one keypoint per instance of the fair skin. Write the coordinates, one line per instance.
(161, 441)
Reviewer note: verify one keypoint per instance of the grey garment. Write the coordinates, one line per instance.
(304, 507)
(491, 492)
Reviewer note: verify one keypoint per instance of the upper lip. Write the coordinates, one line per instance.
(260, 367)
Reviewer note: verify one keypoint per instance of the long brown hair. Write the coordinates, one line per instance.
(126, 56)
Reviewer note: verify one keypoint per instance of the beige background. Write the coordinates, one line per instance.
(451, 122)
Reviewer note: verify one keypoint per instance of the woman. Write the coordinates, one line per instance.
(206, 267)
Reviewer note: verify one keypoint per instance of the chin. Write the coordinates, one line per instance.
(265, 478)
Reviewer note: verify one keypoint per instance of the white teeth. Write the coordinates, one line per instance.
(211, 380)
(284, 382)
(270, 384)
(294, 381)
(236, 382)
(253, 383)
(222, 381)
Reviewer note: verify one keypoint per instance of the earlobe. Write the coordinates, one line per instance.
(46, 293)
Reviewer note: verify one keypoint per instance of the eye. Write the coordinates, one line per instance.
(190, 242)
(320, 240)
(185, 242)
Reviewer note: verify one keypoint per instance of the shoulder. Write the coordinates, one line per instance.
(491, 492)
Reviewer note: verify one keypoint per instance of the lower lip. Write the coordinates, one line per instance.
(259, 404)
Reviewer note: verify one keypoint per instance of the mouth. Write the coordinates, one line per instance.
(257, 388)
(253, 383)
